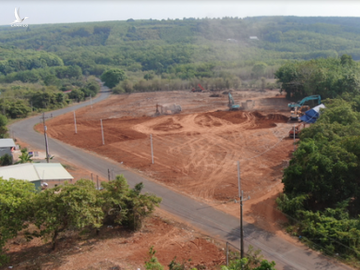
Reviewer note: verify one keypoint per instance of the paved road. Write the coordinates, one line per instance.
(216, 223)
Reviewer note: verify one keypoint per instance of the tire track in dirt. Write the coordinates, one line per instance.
(209, 154)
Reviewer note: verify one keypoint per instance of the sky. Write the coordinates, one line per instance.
(66, 11)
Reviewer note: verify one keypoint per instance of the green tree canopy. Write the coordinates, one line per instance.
(112, 77)
(67, 206)
(16, 198)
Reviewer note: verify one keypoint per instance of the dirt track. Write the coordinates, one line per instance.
(195, 151)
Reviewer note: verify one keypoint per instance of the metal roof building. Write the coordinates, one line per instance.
(6, 146)
(38, 173)
(7, 143)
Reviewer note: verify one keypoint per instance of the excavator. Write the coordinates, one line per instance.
(302, 102)
(200, 89)
(299, 108)
(232, 106)
(297, 112)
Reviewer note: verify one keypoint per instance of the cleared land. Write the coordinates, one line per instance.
(195, 151)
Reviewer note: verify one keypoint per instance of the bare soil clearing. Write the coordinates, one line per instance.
(196, 151)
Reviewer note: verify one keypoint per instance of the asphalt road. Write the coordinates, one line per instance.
(216, 223)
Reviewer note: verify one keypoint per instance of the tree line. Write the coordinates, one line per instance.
(329, 77)
(321, 184)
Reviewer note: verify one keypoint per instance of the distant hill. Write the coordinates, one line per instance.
(158, 45)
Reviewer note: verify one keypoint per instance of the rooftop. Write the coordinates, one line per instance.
(35, 171)
(7, 143)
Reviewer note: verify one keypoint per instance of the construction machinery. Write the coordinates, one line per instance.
(198, 89)
(297, 130)
(165, 109)
(232, 106)
(298, 111)
(304, 100)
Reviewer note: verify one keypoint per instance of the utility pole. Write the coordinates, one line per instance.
(241, 226)
(152, 150)
(241, 197)
(108, 174)
(294, 139)
(102, 132)
(75, 123)
(46, 140)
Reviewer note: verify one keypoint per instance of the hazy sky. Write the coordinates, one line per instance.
(84, 11)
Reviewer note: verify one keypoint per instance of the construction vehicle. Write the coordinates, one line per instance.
(199, 89)
(165, 109)
(297, 112)
(294, 116)
(232, 106)
(302, 102)
(297, 129)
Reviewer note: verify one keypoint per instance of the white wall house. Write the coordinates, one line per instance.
(37, 173)
(6, 146)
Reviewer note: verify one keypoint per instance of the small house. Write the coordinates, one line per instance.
(49, 174)
(6, 147)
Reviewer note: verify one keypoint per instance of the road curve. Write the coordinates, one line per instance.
(216, 223)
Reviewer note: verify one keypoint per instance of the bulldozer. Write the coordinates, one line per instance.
(165, 109)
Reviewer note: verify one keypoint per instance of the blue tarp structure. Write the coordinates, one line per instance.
(312, 115)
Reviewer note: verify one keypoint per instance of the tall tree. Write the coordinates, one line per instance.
(67, 206)
(112, 77)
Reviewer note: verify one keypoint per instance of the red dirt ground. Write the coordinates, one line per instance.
(196, 151)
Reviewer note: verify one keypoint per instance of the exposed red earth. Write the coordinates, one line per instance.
(196, 151)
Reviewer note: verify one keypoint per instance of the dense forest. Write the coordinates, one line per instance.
(41, 62)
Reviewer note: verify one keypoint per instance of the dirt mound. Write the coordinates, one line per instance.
(279, 118)
(205, 120)
(167, 125)
(268, 121)
(235, 117)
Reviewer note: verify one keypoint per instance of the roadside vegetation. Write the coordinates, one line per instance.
(253, 261)
(79, 207)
